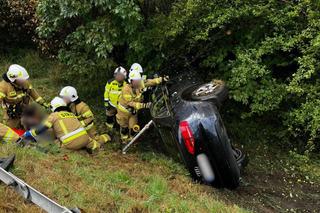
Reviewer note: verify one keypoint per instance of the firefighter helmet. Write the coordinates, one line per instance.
(136, 67)
(134, 75)
(121, 70)
(57, 102)
(69, 92)
(16, 71)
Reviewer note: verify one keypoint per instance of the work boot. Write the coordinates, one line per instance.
(109, 125)
(93, 147)
(124, 134)
(110, 122)
(105, 138)
(92, 151)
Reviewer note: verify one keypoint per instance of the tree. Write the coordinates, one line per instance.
(17, 23)
(267, 51)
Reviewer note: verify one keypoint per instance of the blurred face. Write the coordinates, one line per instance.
(119, 77)
(136, 84)
(67, 100)
(20, 82)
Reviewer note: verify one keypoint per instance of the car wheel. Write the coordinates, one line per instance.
(216, 89)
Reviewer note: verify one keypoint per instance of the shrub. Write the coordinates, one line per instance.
(267, 51)
(17, 23)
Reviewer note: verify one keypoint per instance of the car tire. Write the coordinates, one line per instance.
(216, 89)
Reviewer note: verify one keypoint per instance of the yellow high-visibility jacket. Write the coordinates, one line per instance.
(132, 98)
(12, 94)
(150, 82)
(66, 127)
(112, 92)
(83, 112)
(7, 135)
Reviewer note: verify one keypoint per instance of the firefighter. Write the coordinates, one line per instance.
(7, 135)
(83, 113)
(130, 101)
(15, 93)
(68, 130)
(145, 81)
(111, 95)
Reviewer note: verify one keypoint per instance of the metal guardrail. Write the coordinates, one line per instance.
(28, 192)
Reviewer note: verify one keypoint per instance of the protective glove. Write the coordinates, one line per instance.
(147, 105)
(165, 78)
(107, 104)
(46, 105)
(27, 135)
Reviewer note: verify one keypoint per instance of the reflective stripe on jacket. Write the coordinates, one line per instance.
(12, 94)
(73, 135)
(113, 91)
(7, 135)
(65, 126)
(83, 113)
(130, 98)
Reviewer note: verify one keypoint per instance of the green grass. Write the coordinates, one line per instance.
(108, 182)
(144, 181)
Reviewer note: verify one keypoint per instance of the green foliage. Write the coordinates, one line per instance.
(88, 33)
(17, 23)
(267, 51)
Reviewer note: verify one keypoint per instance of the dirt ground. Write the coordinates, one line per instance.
(269, 184)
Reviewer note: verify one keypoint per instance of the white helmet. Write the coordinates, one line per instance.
(16, 71)
(121, 70)
(136, 67)
(69, 92)
(57, 102)
(134, 75)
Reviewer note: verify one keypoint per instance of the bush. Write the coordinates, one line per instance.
(17, 23)
(267, 51)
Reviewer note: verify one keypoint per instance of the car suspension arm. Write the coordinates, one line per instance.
(145, 128)
(31, 194)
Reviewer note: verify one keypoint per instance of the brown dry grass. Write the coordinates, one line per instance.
(108, 182)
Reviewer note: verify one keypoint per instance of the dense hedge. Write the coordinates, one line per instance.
(17, 23)
(266, 50)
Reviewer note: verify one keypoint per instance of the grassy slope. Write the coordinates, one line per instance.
(109, 182)
(149, 182)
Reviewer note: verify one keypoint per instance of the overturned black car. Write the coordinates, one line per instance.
(185, 112)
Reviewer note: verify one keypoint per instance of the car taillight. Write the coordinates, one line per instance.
(187, 136)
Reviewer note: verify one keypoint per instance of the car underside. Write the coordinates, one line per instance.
(187, 118)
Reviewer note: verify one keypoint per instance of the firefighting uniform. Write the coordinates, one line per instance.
(111, 96)
(67, 129)
(7, 135)
(86, 118)
(130, 101)
(13, 98)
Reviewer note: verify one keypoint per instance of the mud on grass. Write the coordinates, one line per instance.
(274, 181)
